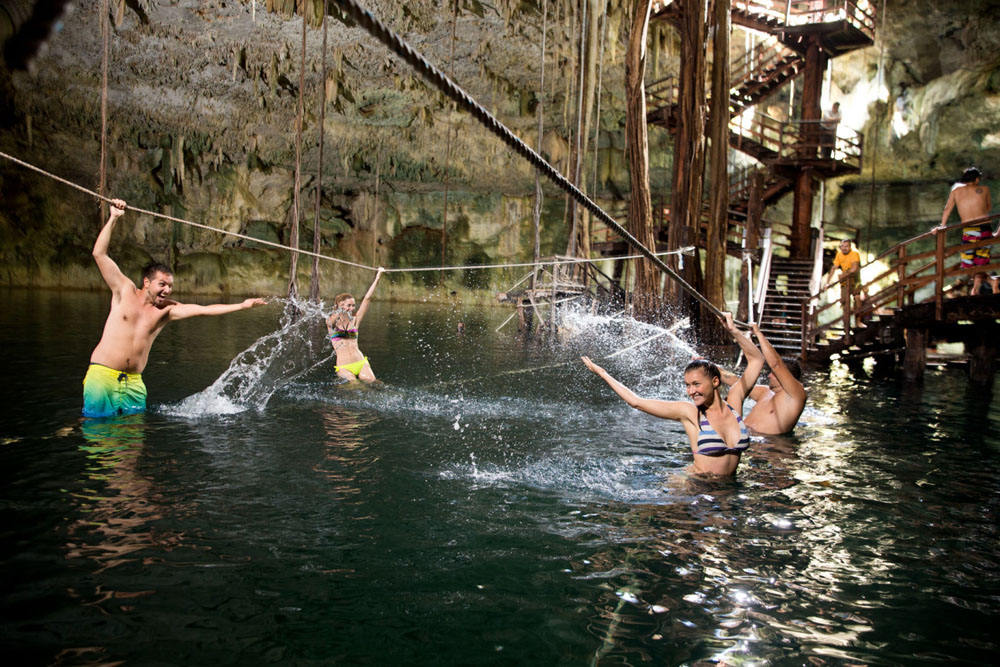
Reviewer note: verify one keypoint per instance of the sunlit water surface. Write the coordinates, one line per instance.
(472, 510)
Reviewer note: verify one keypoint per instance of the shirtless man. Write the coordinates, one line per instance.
(113, 385)
(781, 401)
(973, 201)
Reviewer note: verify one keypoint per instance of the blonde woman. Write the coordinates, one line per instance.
(342, 327)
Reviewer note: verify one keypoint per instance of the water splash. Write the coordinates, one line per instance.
(274, 360)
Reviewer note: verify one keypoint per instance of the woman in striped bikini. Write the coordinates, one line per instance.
(342, 326)
(714, 425)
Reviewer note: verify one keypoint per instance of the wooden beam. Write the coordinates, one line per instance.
(916, 354)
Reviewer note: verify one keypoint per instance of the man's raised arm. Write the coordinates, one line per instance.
(755, 360)
(112, 275)
(182, 311)
(788, 381)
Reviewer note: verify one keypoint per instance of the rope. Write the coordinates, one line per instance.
(180, 220)
(314, 279)
(102, 179)
(293, 281)
(871, 191)
(396, 44)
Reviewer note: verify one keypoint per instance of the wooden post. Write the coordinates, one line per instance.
(802, 213)
(845, 304)
(806, 329)
(916, 354)
(689, 143)
(901, 276)
(983, 352)
(552, 303)
(812, 90)
(755, 206)
(939, 274)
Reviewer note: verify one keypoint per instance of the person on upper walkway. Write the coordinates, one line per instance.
(113, 384)
(714, 425)
(342, 327)
(828, 134)
(973, 202)
(780, 402)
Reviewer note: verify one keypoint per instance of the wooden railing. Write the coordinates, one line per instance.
(915, 274)
(859, 13)
(661, 94)
(761, 58)
(797, 139)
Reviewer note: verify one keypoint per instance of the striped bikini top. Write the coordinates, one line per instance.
(343, 334)
(711, 443)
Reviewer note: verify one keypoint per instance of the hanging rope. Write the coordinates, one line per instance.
(396, 44)
(293, 286)
(539, 195)
(871, 192)
(314, 279)
(447, 151)
(102, 182)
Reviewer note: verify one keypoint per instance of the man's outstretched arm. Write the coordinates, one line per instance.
(112, 275)
(184, 310)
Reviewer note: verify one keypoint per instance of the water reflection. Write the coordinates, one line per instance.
(347, 454)
(117, 502)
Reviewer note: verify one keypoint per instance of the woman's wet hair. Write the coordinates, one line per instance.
(340, 297)
(705, 366)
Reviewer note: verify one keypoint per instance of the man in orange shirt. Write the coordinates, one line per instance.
(848, 261)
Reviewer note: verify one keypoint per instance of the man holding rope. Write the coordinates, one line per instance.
(113, 385)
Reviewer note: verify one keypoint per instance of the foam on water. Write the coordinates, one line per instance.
(296, 347)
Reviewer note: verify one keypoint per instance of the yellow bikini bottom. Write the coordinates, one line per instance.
(354, 368)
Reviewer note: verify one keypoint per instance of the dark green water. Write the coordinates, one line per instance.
(516, 518)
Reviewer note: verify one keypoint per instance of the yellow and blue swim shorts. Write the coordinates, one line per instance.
(108, 393)
(354, 368)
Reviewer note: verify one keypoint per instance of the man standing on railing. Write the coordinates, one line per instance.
(828, 136)
(973, 202)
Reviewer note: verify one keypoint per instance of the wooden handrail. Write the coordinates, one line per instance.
(909, 279)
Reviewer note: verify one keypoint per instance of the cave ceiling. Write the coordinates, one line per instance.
(223, 75)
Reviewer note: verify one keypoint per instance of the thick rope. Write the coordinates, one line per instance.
(396, 44)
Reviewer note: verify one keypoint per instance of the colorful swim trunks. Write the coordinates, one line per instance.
(353, 368)
(108, 393)
(976, 256)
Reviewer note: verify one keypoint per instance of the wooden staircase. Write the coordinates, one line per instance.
(787, 289)
(762, 70)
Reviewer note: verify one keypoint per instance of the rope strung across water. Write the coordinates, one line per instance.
(199, 225)
(396, 44)
(272, 244)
